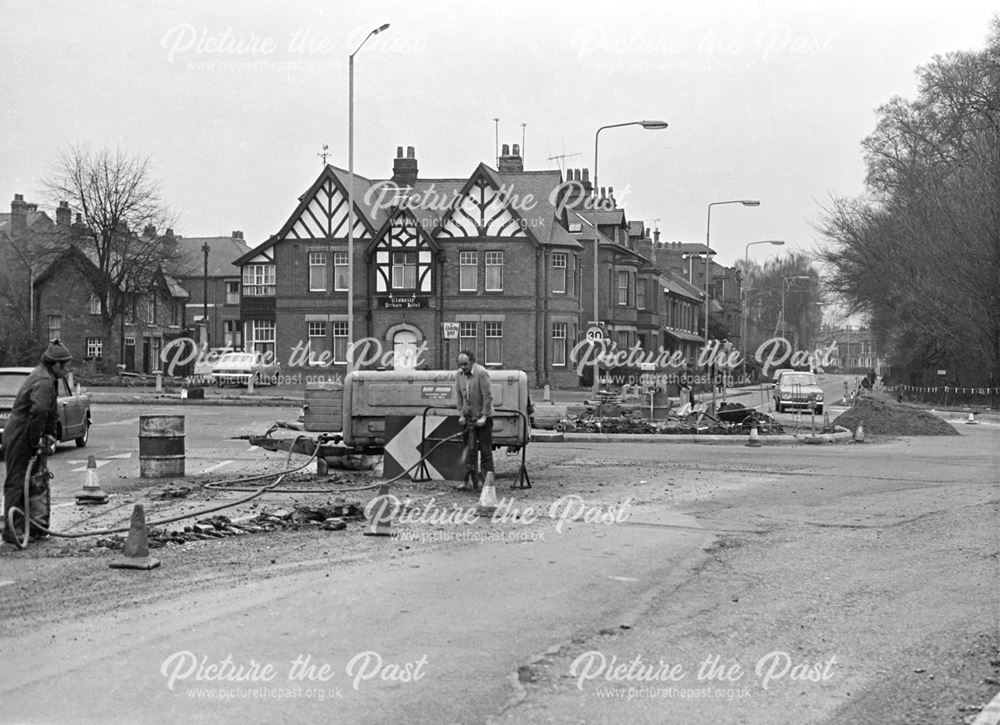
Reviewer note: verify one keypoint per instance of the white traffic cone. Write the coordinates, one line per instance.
(91, 493)
(972, 420)
(754, 441)
(488, 499)
(859, 434)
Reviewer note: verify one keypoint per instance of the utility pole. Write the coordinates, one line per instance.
(204, 302)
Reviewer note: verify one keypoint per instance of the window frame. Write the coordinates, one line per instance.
(564, 258)
(494, 327)
(318, 264)
(495, 266)
(465, 266)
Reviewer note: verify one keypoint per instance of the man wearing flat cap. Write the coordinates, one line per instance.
(30, 430)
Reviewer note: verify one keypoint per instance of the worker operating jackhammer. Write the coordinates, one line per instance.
(474, 400)
(27, 436)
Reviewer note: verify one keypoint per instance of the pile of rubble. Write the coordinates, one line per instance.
(731, 419)
(881, 417)
(327, 518)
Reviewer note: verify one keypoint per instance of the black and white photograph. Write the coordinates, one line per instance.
(525, 363)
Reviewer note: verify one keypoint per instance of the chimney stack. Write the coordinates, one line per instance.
(237, 234)
(510, 160)
(18, 215)
(64, 216)
(149, 232)
(404, 170)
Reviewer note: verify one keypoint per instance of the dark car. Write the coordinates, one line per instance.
(74, 408)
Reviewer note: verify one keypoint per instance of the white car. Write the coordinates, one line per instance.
(238, 368)
(73, 407)
(796, 389)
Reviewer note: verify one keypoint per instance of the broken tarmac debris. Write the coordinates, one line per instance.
(328, 518)
(731, 419)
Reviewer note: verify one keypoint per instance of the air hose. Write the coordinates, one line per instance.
(230, 485)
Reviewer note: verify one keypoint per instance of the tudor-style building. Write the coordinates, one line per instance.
(484, 262)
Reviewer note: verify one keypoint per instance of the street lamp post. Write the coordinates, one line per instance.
(649, 126)
(708, 265)
(744, 331)
(350, 195)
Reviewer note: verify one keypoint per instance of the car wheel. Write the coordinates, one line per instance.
(81, 442)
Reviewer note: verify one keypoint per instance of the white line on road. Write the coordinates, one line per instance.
(97, 463)
(5, 583)
(216, 466)
(130, 421)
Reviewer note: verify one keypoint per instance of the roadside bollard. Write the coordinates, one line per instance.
(159, 382)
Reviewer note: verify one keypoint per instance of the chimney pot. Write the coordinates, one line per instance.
(586, 175)
(399, 152)
(170, 231)
(404, 169)
(18, 197)
(516, 150)
(237, 234)
(505, 150)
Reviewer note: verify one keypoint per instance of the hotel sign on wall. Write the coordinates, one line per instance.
(402, 302)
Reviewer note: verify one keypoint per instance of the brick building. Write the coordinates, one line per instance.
(487, 258)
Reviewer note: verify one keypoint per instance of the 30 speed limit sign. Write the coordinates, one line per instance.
(594, 334)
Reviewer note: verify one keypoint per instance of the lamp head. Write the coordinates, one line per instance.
(777, 242)
(750, 202)
(380, 29)
(653, 125)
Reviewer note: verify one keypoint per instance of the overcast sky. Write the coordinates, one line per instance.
(233, 101)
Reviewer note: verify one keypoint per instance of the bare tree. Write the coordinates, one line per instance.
(118, 200)
(920, 253)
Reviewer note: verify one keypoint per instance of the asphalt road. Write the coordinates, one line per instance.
(799, 584)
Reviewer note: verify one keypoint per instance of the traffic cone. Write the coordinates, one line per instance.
(91, 493)
(381, 513)
(754, 441)
(136, 552)
(488, 499)
(972, 420)
(859, 434)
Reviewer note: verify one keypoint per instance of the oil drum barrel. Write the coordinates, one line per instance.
(161, 446)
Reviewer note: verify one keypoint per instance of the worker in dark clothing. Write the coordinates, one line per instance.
(31, 430)
(474, 400)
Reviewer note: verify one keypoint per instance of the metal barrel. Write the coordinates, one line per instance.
(161, 446)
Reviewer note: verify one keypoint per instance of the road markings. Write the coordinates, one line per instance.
(121, 455)
(622, 579)
(130, 421)
(100, 464)
(5, 583)
(216, 466)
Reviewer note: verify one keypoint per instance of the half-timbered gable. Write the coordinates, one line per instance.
(484, 209)
(322, 212)
(403, 256)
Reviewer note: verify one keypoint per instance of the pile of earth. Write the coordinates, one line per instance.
(893, 419)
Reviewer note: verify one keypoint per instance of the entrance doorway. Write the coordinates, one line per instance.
(404, 350)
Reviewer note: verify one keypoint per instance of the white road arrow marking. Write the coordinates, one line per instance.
(100, 464)
(121, 455)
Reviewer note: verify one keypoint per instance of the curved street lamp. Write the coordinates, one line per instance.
(649, 126)
(708, 256)
(350, 193)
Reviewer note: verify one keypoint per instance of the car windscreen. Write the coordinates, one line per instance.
(798, 379)
(10, 383)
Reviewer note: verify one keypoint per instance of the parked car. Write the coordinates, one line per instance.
(796, 389)
(74, 408)
(237, 368)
